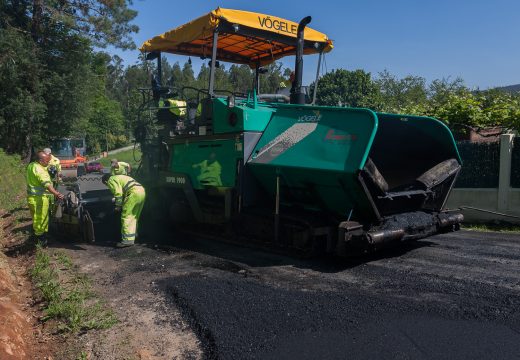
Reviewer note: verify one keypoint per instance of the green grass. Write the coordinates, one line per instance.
(12, 183)
(68, 295)
(128, 156)
(509, 228)
(82, 356)
(63, 259)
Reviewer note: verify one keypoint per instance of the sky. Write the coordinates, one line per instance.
(477, 40)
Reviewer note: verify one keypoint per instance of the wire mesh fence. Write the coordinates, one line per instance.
(515, 163)
(480, 165)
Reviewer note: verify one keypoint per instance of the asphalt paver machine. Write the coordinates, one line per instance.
(280, 170)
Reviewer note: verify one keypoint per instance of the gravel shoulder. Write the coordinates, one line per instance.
(149, 328)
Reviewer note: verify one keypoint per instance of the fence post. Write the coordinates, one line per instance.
(504, 175)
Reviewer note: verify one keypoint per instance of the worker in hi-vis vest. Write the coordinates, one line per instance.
(39, 195)
(54, 169)
(129, 199)
(119, 167)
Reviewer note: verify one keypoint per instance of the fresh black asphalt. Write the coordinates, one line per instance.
(402, 314)
(453, 296)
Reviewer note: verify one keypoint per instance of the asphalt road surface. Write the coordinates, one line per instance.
(454, 296)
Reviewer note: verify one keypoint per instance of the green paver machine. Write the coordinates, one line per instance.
(278, 169)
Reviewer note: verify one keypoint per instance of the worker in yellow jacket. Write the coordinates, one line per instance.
(177, 107)
(39, 195)
(119, 167)
(54, 167)
(129, 199)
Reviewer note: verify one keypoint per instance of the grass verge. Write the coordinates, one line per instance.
(13, 201)
(505, 228)
(67, 294)
(129, 156)
(12, 183)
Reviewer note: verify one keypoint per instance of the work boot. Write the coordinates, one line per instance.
(124, 243)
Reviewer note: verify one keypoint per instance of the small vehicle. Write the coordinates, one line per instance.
(280, 170)
(72, 155)
(94, 166)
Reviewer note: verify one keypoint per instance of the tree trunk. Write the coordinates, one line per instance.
(36, 31)
(28, 142)
(37, 13)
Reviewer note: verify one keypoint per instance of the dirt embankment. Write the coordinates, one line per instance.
(14, 325)
(21, 335)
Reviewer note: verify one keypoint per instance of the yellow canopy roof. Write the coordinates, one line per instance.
(243, 37)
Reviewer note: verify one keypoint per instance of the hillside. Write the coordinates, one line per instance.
(510, 88)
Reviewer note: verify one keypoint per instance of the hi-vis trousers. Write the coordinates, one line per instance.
(132, 207)
(39, 208)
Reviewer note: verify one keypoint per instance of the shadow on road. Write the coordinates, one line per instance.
(160, 235)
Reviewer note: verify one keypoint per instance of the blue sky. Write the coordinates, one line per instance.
(477, 40)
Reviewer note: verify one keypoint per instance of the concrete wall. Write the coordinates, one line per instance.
(504, 199)
(486, 199)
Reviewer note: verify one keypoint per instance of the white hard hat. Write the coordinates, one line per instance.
(47, 150)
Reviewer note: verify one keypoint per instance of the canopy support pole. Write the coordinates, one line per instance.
(257, 79)
(159, 70)
(213, 63)
(316, 81)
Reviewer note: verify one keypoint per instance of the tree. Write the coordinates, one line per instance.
(176, 79)
(115, 79)
(440, 89)
(461, 109)
(203, 76)
(135, 77)
(52, 66)
(241, 78)
(188, 77)
(166, 71)
(222, 81)
(401, 95)
(106, 126)
(103, 22)
(67, 79)
(270, 81)
(22, 104)
(347, 88)
(500, 108)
